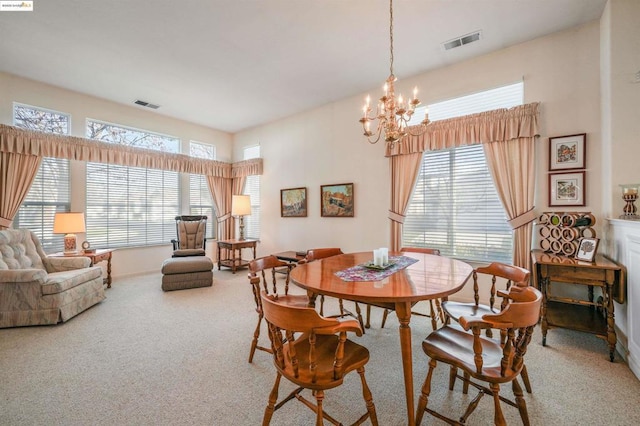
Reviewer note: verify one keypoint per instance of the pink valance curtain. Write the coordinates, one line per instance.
(17, 143)
(508, 136)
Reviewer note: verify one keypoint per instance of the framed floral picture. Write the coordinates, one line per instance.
(293, 202)
(566, 189)
(587, 249)
(336, 200)
(567, 152)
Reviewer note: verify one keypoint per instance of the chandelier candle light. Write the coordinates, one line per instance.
(393, 114)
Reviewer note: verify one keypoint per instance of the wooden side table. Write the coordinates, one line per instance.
(590, 316)
(98, 256)
(234, 252)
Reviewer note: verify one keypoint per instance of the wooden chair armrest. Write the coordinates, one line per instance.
(469, 322)
(346, 325)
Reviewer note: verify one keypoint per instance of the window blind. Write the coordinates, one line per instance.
(49, 192)
(200, 199)
(454, 206)
(252, 188)
(130, 206)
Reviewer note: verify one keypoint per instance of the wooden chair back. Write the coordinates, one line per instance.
(262, 277)
(321, 253)
(318, 359)
(421, 250)
(494, 362)
(510, 274)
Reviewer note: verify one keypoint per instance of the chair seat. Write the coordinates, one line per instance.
(457, 310)
(356, 356)
(188, 252)
(455, 347)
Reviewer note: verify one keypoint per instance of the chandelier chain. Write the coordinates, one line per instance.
(391, 36)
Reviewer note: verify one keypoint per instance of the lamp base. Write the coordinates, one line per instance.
(70, 243)
(241, 226)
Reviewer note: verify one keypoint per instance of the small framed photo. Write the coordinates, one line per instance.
(293, 202)
(587, 249)
(336, 200)
(566, 189)
(567, 152)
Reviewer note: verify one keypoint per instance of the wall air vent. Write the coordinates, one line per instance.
(146, 104)
(462, 40)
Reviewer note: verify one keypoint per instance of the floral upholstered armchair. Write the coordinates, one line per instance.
(36, 289)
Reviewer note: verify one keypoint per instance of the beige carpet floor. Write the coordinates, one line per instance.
(144, 357)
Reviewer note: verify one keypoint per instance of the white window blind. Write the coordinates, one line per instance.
(200, 199)
(252, 188)
(49, 192)
(454, 206)
(131, 206)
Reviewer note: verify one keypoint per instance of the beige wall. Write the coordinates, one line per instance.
(325, 145)
(81, 107)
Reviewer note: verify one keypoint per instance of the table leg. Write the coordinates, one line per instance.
(219, 258)
(544, 324)
(109, 271)
(403, 312)
(611, 331)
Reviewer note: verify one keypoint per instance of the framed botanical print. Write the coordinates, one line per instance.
(566, 189)
(293, 202)
(336, 200)
(587, 249)
(567, 152)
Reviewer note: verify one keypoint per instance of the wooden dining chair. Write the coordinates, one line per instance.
(323, 253)
(486, 363)
(317, 360)
(262, 277)
(509, 275)
(435, 310)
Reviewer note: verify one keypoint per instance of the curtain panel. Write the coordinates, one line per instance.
(17, 172)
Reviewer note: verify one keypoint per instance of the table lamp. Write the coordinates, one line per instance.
(241, 206)
(69, 224)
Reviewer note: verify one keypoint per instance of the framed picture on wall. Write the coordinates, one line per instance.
(566, 189)
(336, 200)
(567, 152)
(293, 202)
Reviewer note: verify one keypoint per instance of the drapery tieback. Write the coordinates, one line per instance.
(5, 223)
(396, 217)
(224, 217)
(523, 219)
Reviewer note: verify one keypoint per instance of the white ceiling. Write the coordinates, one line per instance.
(235, 64)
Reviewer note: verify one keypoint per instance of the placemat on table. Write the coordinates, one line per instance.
(362, 273)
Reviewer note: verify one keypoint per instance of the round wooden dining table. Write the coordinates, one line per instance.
(430, 277)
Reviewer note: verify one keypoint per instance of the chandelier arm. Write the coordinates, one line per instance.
(378, 135)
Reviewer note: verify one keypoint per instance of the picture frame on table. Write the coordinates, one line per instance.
(567, 189)
(293, 202)
(337, 200)
(568, 152)
(587, 249)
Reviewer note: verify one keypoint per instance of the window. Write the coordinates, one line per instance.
(252, 188)
(131, 206)
(454, 206)
(200, 200)
(49, 192)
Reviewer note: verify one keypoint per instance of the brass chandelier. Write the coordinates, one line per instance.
(393, 114)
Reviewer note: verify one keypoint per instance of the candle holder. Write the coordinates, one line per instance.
(630, 195)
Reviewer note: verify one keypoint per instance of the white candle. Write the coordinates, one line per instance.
(377, 258)
(385, 255)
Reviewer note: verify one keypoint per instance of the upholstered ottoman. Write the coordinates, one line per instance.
(187, 272)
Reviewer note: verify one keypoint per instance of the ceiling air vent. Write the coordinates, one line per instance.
(146, 104)
(462, 40)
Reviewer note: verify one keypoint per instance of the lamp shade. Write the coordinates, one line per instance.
(68, 223)
(240, 205)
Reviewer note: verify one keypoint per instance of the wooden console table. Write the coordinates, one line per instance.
(96, 257)
(590, 316)
(234, 247)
